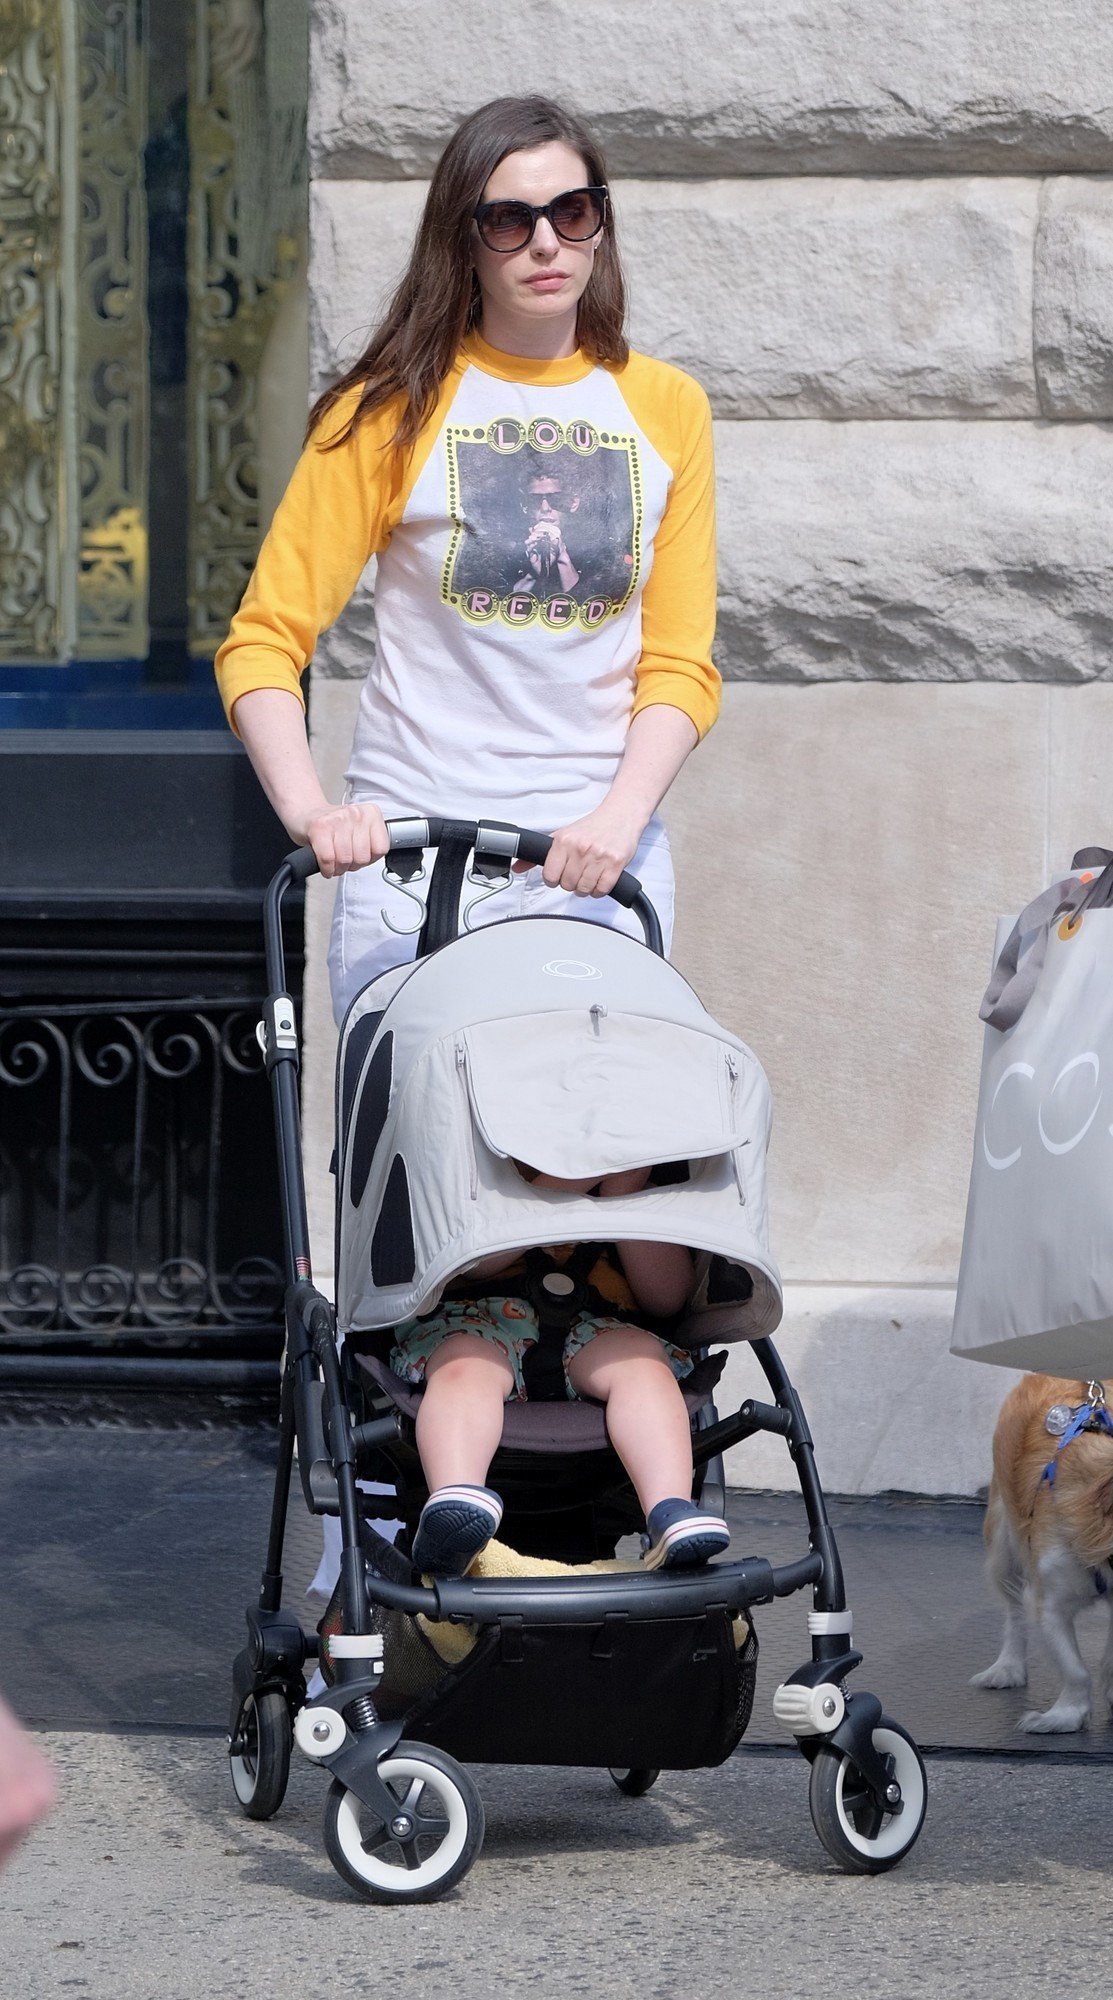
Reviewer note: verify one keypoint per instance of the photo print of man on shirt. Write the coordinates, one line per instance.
(547, 522)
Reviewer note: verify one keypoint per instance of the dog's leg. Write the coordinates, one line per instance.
(1066, 1585)
(1105, 1665)
(1006, 1573)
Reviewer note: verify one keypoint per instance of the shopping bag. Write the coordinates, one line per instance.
(1035, 1285)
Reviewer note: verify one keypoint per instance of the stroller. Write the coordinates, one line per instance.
(577, 1048)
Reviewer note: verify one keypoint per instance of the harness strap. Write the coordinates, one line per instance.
(562, 1301)
(1088, 1417)
(559, 1294)
(442, 910)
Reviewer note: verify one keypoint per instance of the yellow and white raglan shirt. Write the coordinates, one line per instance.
(546, 570)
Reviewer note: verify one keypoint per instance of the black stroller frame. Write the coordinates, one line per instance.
(404, 1821)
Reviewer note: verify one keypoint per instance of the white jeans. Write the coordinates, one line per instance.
(363, 944)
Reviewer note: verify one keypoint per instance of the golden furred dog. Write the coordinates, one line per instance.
(1050, 1543)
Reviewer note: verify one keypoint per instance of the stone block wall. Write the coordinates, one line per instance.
(882, 237)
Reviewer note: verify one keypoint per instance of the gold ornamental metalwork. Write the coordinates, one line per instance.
(112, 334)
(248, 193)
(73, 332)
(33, 439)
(74, 337)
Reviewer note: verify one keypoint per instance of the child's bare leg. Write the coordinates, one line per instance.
(649, 1428)
(459, 1422)
(646, 1415)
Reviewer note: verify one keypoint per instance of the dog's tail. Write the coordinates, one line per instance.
(1003, 1563)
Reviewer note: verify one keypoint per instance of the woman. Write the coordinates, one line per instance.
(540, 500)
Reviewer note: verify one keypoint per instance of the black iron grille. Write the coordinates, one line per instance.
(139, 1204)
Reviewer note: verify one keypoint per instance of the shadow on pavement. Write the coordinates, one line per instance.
(132, 1553)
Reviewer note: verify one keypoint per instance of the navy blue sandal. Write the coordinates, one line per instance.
(681, 1536)
(455, 1523)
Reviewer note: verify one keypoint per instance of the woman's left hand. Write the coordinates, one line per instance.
(588, 857)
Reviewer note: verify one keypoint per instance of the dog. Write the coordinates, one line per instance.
(1049, 1536)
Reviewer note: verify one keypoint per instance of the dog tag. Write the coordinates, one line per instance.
(1057, 1419)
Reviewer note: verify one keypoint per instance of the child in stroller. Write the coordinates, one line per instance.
(472, 1355)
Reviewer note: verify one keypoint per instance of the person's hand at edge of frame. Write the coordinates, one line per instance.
(27, 1783)
(346, 837)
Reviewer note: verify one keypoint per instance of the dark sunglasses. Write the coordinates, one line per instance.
(575, 217)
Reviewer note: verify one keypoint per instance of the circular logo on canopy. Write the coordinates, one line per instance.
(571, 968)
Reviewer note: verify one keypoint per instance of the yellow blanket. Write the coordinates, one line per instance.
(454, 1642)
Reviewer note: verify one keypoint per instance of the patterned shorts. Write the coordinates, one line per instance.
(510, 1324)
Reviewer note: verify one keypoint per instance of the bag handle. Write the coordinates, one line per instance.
(1012, 984)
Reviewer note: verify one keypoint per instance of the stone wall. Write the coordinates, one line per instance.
(882, 238)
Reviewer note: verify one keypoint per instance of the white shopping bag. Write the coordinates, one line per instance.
(1035, 1287)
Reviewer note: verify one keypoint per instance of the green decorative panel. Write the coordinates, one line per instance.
(35, 192)
(248, 199)
(111, 313)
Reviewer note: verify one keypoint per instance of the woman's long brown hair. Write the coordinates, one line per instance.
(437, 301)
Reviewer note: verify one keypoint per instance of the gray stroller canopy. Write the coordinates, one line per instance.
(570, 1047)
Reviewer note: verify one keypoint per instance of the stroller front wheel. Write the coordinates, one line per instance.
(260, 1765)
(856, 1831)
(430, 1843)
(634, 1783)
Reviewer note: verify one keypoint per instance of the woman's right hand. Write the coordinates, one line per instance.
(271, 722)
(346, 837)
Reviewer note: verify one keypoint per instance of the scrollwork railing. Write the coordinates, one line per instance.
(138, 1188)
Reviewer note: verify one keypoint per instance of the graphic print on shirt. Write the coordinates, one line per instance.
(547, 522)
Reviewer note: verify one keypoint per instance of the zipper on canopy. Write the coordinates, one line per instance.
(469, 1130)
(736, 1163)
(736, 1151)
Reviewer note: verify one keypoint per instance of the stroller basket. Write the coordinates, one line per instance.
(521, 1692)
(664, 1694)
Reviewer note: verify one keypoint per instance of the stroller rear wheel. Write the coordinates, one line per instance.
(635, 1783)
(430, 1843)
(260, 1764)
(855, 1830)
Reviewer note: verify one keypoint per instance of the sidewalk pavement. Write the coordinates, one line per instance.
(148, 1885)
(132, 1553)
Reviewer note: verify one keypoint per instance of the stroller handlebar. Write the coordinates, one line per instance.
(491, 840)
(535, 847)
(299, 865)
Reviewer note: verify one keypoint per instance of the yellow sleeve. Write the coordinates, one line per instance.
(337, 512)
(678, 603)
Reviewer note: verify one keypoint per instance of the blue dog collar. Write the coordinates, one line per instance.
(1092, 1415)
